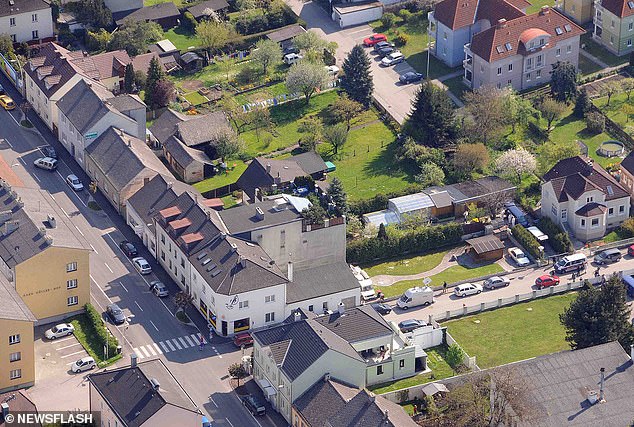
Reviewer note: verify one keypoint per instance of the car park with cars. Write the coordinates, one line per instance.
(496, 282)
(58, 331)
(410, 77)
(466, 289)
(392, 59)
(546, 281)
(141, 265)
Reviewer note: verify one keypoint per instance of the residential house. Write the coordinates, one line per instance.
(614, 25)
(119, 7)
(108, 68)
(89, 109)
(208, 9)
(29, 21)
(142, 395)
(520, 52)
(580, 11)
(579, 195)
(330, 402)
(627, 173)
(284, 36)
(188, 164)
(142, 63)
(164, 14)
(356, 346)
(120, 164)
(265, 175)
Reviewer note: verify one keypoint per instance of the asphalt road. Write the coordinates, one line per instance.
(151, 329)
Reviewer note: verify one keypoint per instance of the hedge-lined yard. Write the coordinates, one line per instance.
(91, 332)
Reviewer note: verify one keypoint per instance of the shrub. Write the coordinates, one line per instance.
(405, 14)
(454, 356)
(100, 330)
(189, 22)
(401, 40)
(527, 240)
(595, 122)
(558, 239)
(388, 20)
(626, 229)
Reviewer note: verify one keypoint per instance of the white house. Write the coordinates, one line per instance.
(29, 21)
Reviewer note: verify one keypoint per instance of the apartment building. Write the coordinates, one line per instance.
(583, 198)
(580, 11)
(614, 25)
(520, 52)
(29, 21)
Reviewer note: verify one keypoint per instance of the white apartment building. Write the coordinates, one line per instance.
(29, 21)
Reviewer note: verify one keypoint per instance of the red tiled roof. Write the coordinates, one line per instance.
(591, 209)
(531, 33)
(490, 44)
(192, 237)
(618, 7)
(170, 212)
(104, 65)
(214, 203)
(461, 13)
(180, 223)
(57, 62)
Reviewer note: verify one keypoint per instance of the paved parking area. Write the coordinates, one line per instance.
(54, 357)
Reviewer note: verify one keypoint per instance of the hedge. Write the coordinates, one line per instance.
(378, 202)
(527, 240)
(558, 239)
(399, 242)
(101, 331)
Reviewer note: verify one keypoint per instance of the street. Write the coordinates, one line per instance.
(151, 329)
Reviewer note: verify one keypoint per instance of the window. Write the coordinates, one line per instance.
(499, 85)
(611, 39)
(310, 307)
(12, 22)
(481, 67)
(509, 82)
(14, 339)
(621, 209)
(163, 255)
(541, 42)
(573, 9)
(401, 364)
(282, 239)
(243, 304)
(630, 26)
(529, 63)
(163, 238)
(612, 23)
(589, 199)
(15, 374)
(595, 222)
(499, 70)
(559, 31)
(72, 301)
(528, 77)
(569, 48)
(564, 213)
(269, 317)
(508, 47)
(558, 52)
(71, 284)
(444, 35)
(14, 357)
(510, 67)
(72, 266)
(583, 223)
(553, 209)
(269, 298)
(34, 34)
(183, 262)
(611, 212)
(629, 42)
(34, 17)
(324, 306)
(538, 74)
(379, 370)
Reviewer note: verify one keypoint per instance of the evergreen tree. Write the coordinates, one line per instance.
(598, 316)
(128, 80)
(338, 197)
(582, 104)
(357, 80)
(563, 81)
(154, 75)
(432, 119)
(382, 232)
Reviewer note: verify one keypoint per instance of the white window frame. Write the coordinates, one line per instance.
(15, 374)
(71, 284)
(71, 266)
(598, 224)
(14, 339)
(269, 317)
(15, 356)
(72, 300)
(243, 304)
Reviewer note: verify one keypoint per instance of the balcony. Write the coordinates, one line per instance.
(468, 63)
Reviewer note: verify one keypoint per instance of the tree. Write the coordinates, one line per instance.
(6, 45)
(627, 85)
(306, 77)
(128, 79)
(154, 75)
(382, 234)
(163, 93)
(337, 136)
(314, 214)
(430, 174)
(236, 115)
(338, 197)
(486, 106)
(227, 144)
(214, 35)
(431, 121)
(470, 158)
(582, 104)
(610, 88)
(311, 129)
(182, 300)
(260, 118)
(595, 122)
(135, 36)
(387, 20)
(354, 226)
(599, 315)
(551, 110)
(563, 81)
(267, 53)
(516, 163)
(91, 12)
(312, 45)
(454, 356)
(628, 110)
(552, 152)
(346, 109)
(357, 79)
(140, 78)
(237, 371)
(518, 110)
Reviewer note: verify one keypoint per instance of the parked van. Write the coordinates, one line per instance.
(628, 280)
(607, 256)
(520, 216)
(46, 163)
(292, 58)
(416, 296)
(571, 263)
(367, 290)
(539, 234)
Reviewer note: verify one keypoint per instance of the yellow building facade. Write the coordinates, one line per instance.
(17, 358)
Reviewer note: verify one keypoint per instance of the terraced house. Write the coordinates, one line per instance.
(614, 25)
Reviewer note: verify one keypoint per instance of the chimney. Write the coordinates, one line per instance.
(268, 168)
(9, 227)
(342, 308)
(234, 248)
(297, 316)
(242, 261)
(146, 180)
(544, 10)
(501, 23)
(387, 415)
(169, 185)
(290, 271)
(5, 410)
(155, 384)
(133, 360)
(259, 213)
(326, 377)
(601, 393)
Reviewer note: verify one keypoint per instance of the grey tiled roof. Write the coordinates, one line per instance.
(157, 194)
(22, 6)
(201, 9)
(84, 104)
(127, 102)
(201, 129)
(184, 155)
(286, 33)
(321, 280)
(151, 13)
(310, 162)
(55, 63)
(243, 219)
(165, 125)
(12, 307)
(360, 324)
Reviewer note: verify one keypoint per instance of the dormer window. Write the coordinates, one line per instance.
(541, 42)
(568, 28)
(508, 47)
(499, 49)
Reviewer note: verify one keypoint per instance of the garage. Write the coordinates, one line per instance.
(485, 248)
(349, 14)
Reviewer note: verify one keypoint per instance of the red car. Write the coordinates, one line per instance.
(546, 280)
(374, 39)
(630, 250)
(243, 339)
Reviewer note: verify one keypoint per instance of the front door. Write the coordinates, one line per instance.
(564, 216)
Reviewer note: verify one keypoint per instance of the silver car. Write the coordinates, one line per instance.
(142, 265)
(83, 364)
(74, 182)
(496, 282)
(159, 289)
(392, 59)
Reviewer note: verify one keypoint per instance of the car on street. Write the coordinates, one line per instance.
(382, 308)
(50, 152)
(84, 364)
(58, 331)
(159, 289)
(332, 70)
(253, 404)
(242, 339)
(382, 45)
(128, 249)
(141, 265)
(6, 102)
(392, 59)
(46, 163)
(608, 256)
(410, 77)
(115, 314)
(374, 39)
(518, 256)
(496, 282)
(409, 325)
(467, 289)
(546, 281)
(74, 182)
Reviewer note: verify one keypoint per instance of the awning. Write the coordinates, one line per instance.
(264, 383)
(270, 391)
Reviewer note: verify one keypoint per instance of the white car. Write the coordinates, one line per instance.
(58, 331)
(496, 282)
(392, 59)
(142, 265)
(467, 289)
(291, 58)
(74, 182)
(84, 364)
(518, 256)
(332, 70)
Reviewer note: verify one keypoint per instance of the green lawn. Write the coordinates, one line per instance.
(440, 369)
(408, 265)
(513, 333)
(263, 93)
(595, 49)
(456, 86)
(615, 110)
(195, 98)
(223, 179)
(210, 75)
(86, 336)
(537, 4)
(453, 274)
(586, 66)
(182, 38)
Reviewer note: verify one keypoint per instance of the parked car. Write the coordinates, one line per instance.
(6, 102)
(243, 339)
(630, 250)
(159, 289)
(416, 296)
(253, 404)
(332, 70)
(58, 331)
(382, 308)
(546, 281)
(141, 265)
(518, 256)
(290, 49)
(50, 152)
(410, 77)
(385, 51)
(374, 39)
(513, 211)
(128, 249)
(570, 263)
(74, 182)
(496, 282)
(292, 58)
(115, 314)
(467, 289)
(84, 364)
(607, 256)
(382, 45)
(392, 59)
(46, 163)
(409, 325)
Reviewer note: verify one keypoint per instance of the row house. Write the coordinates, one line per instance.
(27, 21)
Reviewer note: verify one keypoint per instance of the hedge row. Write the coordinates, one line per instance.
(398, 242)
(100, 330)
(378, 202)
(558, 239)
(527, 240)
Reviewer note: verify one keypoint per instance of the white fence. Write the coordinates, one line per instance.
(468, 361)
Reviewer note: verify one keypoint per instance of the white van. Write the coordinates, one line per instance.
(367, 290)
(416, 296)
(292, 58)
(569, 263)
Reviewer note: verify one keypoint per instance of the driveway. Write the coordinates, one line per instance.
(394, 97)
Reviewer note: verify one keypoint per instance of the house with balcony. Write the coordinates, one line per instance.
(583, 198)
(520, 52)
(355, 346)
(27, 21)
(614, 25)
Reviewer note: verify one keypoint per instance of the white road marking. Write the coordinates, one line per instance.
(36, 178)
(63, 339)
(137, 304)
(169, 344)
(196, 337)
(80, 232)
(72, 345)
(150, 349)
(189, 342)
(72, 354)
(16, 122)
(167, 308)
(164, 347)
(147, 353)
(154, 326)
(138, 353)
(108, 267)
(93, 248)
(7, 141)
(65, 213)
(178, 346)
(230, 423)
(123, 286)
(157, 348)
(22, 160)
(211, 399)
(102, 291)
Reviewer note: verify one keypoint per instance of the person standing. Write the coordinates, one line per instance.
(444, 287)
(202, 343)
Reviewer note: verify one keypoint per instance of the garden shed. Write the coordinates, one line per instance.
(486, 248)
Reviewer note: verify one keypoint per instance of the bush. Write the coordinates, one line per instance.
(558, 239)
(405, 15)
(595, 122)
(189, 22)
(388, 20)
(626, 229)
(276, 17)
(401, 40)
(527, 240)
(454, 356)
(100, 330)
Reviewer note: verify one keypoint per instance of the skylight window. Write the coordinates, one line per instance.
(630, 4)
(201, 256)
(568, 28)
(499, 49)
(216, 272)
(211, 267)
(207, 261)
(508, 47)
(559, 31)
(610, 190)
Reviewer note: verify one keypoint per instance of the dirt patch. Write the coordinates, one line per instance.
(192, 85)
(595, 88)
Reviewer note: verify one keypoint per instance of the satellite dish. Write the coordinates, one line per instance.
(427, 280)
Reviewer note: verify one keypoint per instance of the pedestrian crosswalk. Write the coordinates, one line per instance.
(169, 345)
